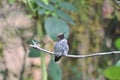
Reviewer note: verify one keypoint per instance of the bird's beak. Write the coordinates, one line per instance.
(64, 32)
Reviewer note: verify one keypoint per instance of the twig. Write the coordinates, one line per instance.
(74, 56)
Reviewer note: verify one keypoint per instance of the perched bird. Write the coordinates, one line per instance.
(61, 47)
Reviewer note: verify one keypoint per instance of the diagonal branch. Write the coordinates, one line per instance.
(74, 56)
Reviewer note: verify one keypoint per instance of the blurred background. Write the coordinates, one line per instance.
(91, 26)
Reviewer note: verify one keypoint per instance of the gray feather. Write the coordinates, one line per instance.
(61, 48)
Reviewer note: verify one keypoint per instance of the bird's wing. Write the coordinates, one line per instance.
(65, 46)
(58, 49)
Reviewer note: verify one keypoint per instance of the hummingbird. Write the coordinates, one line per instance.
(61, 47)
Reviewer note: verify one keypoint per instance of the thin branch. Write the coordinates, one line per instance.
(74, 56)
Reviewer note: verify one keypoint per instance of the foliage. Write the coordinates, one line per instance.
(55, 71)
(58, 25)
(2, 72)
(53, 8)
(34, 53)
(117, 43)
(113, 73)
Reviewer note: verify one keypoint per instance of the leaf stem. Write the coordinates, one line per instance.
(40, 33)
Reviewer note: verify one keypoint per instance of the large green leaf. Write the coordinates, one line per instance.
(34, 53)
(113, 73)
(67, 6)
(55, 71)
(54, 26)
(44, 6)
(65, 16)
(117, 43)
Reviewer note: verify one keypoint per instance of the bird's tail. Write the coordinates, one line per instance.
(57, 58)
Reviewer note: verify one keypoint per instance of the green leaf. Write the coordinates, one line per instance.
(11, 1)
(65, 16)
(55, 26)
(118, 63)
(41, 11)
(2, 72)
(55, 71)
(117, 43)
(113, 73)
(67, 6)
(54, 1)
(82, 2)
(47, 12)
(34, 53)
(39, 3)
(44, 6)
(45, 1)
